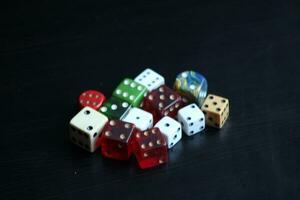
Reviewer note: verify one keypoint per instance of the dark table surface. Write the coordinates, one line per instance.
(248, 51)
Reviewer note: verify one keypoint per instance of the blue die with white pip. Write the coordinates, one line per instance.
(192, 85)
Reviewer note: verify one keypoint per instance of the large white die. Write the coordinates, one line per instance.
(171, 129)
(192, 119)
(85, 128)
(141, 119)
(150, 79)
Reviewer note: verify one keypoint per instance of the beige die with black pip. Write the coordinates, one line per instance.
(216, 110)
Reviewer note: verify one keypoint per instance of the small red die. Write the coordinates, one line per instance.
(150, 148)
(116, 139)
(91, 98)
(162, 102)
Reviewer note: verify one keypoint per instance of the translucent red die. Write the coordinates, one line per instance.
(150, 148)
(116, 140)
(163, 102)
(91, 98)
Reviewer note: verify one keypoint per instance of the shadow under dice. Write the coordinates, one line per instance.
(114, 108)
(150, 148)
(192, 85)
(131, 92)
(192, 119)
(85, 127)
(116, 140)
(162, 102)
(216, 110)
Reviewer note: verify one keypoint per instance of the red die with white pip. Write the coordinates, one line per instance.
(150, 148)
(116, 139)
(163, 102)
(91, 98)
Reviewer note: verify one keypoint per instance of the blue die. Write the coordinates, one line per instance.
(192, 85)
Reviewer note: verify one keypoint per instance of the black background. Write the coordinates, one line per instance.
(248, 51)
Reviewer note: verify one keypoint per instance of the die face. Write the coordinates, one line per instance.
(91, 98)
(192, 85)
(141, 119)
(115, 108)
(85, 128)
(150, 148)
(171, 130)
(131, 92)
(163, 102)
(116, 139)
(216, 110)
(81, 139)
(151, 79)
(192, 119)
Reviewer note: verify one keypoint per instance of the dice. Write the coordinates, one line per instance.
(131, 92)
(216, 110)
(162, 102)
(150, 148)
(91, 98)
(141, 119)
(191, 85)
(85, 128)
(114, 108)
(123, 124)
(116, 140)
(150, 79)
(192, 119)
(171, 130)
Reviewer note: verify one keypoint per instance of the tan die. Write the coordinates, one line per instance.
(216, 110)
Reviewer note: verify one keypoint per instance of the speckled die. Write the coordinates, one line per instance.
(191, 85)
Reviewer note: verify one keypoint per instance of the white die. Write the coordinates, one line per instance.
(192, 119)
(85, 128)
(150, 79)
(141, 119)
(171, 129)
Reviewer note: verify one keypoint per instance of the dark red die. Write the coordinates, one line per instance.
(91, 98)
(162, 102)
(150, 148)
(117, 139)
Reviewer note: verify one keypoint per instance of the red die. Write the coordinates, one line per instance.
(150, 148)
(91, 98)
(116, 139)
(162, 102)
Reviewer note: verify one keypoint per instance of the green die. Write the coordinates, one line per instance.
(114, 108)
(130, 91)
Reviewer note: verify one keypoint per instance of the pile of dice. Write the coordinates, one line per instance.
(144, 117)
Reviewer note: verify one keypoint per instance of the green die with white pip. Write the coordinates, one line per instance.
(131, 92)
(114, 108)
